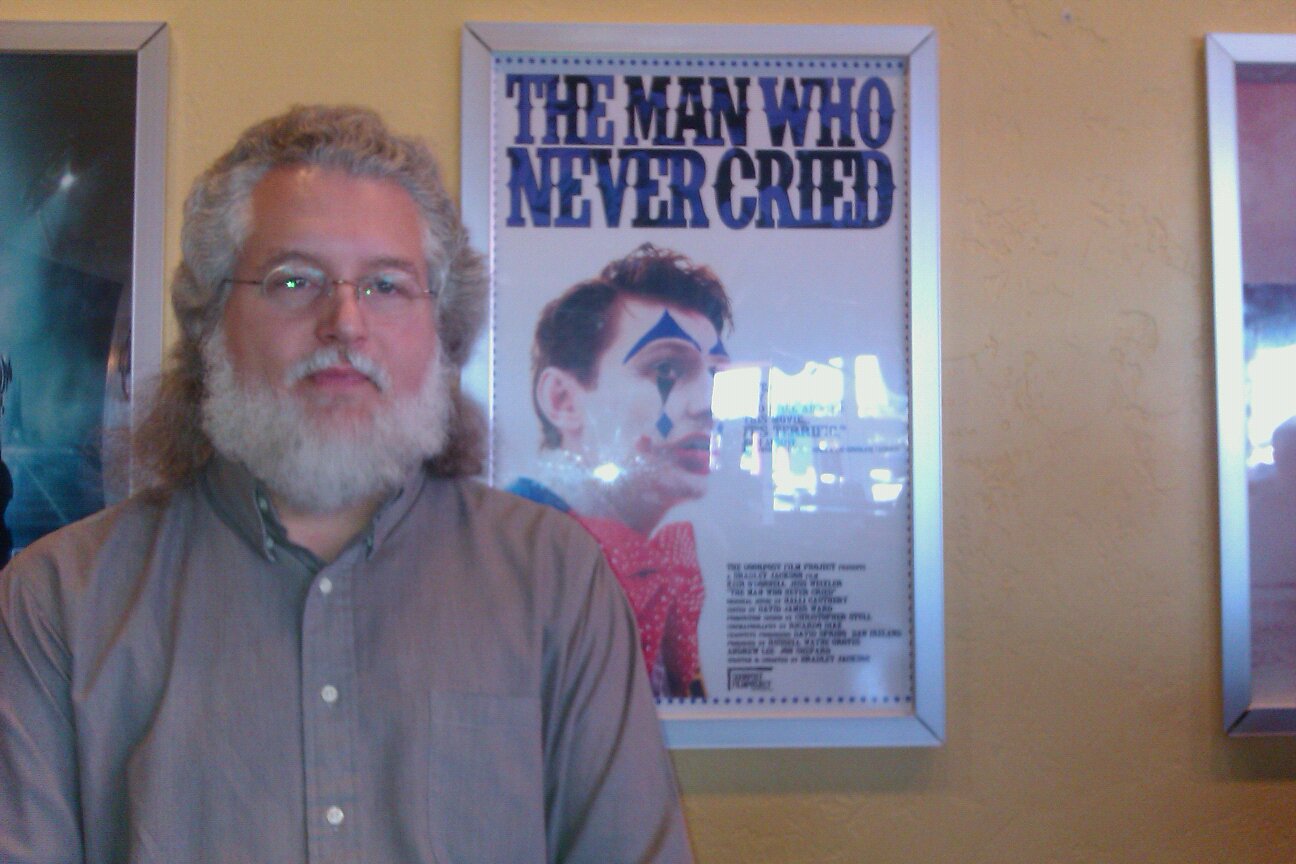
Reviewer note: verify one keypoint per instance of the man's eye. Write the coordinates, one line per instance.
(292, 283)
(389, 285)
(382, 285)
(666, 370)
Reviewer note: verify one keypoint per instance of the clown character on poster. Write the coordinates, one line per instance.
(622, 366)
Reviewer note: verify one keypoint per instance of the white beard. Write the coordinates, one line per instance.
(316, 467)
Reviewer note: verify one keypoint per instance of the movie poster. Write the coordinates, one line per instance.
(67, 151)
(700, 350)
(1266, 126)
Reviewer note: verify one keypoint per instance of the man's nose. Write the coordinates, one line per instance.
(694, 395)
(342, 317)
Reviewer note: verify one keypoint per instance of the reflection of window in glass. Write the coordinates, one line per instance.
(815, 391)
(736, 393)
(828, 437)
(871, 396)
(794, 475)
(1271, 374)
(886, 487)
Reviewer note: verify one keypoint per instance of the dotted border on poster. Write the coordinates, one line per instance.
(787, 700)
(840, 63)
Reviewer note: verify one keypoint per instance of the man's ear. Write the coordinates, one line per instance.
(561, 399)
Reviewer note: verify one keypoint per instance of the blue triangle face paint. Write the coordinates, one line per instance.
(664, 425)
(718, 350)
(665, 328)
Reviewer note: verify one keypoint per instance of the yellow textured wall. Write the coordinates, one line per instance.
(1081, 564)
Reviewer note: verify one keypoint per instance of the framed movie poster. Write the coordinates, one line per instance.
(714, 342)
(1251, 94)
(82, 135)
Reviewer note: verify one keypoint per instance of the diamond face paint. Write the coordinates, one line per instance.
(665, 384)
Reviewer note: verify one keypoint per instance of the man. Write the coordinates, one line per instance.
(316, 641)
(621, 370)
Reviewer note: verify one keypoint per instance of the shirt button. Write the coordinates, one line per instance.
(329, 694)
(334, 816)
(325, 585)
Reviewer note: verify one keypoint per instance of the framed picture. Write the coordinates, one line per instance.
(82, 138)
(1251, 94)
(714, 342)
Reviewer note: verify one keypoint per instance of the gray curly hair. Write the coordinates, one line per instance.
(217, 218)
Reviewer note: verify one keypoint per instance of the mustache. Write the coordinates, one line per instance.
(327, 358)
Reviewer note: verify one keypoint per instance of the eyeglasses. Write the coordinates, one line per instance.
(298, 287)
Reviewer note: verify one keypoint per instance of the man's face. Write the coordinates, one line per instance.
(332, 403)
(347, 228)
(648, 412)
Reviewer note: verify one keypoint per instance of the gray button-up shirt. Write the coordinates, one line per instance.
(180, 684)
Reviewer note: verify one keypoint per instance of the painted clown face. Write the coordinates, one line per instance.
(646, 420)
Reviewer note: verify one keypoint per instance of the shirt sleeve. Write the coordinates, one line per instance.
(39, 809)
(610, 791)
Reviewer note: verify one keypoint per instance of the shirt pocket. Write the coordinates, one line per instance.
(486, 778)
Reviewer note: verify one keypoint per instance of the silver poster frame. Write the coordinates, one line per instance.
(918, 46)
(148, 42)
(1225, 53)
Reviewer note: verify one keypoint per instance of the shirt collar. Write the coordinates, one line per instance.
(243, 503)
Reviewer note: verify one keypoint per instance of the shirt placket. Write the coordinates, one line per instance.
(328, 702)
